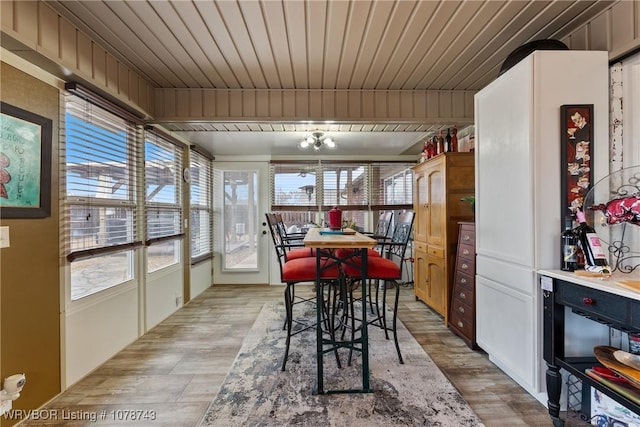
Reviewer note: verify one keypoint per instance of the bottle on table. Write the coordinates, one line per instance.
(594, 256)
(447, 141)
(568, 247)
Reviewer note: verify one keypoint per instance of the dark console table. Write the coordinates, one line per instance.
(602, 301)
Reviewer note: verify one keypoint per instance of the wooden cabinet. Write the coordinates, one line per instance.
(439, 184)
(462, 319)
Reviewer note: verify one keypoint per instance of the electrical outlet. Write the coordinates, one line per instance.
(4, 237)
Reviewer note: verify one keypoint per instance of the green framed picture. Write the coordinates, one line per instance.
(25, 163)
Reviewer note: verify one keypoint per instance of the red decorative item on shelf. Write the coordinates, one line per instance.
(622, 209)
(440, 147)
(335, 218)
(454, 140)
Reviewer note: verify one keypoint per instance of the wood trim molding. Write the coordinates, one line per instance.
(175, 105)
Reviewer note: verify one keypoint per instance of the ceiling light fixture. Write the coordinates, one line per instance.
(317, 140)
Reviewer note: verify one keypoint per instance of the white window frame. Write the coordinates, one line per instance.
(91, 178)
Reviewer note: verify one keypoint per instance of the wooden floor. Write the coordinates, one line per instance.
(169, 375)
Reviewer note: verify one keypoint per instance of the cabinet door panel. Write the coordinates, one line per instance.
(435, 206)
(504, 209)
(437, 284)
(420, 289)
(505, 329)
(420, 203)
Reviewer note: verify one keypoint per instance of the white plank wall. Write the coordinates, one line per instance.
(616, 30)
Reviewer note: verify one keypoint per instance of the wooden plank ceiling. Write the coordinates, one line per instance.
(321, 44)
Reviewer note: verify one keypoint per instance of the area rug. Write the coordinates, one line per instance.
(257, 393)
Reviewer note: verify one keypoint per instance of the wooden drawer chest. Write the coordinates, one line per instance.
(439, 184)
(462, 317)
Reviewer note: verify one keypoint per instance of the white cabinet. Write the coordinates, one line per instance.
(517, 164)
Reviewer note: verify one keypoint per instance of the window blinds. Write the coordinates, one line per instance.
(201, 206)
(345, 184)
(100, 157)
(163, 186)
(350, 185)
(391, 185)
(293, 185)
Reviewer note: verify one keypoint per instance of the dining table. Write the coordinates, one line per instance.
(326, 243)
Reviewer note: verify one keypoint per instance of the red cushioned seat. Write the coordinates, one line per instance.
(304, 270)
(377, 268)
(343, 253)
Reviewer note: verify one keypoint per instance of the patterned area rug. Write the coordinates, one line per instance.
(257, 393)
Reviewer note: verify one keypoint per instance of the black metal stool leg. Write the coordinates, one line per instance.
(288, 302)
(369, 295)
(395, 317)
(383, 316)
(292, 298)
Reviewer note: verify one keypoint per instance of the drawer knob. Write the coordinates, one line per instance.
(463, 295)
(463, 280)
(460, 324)
(461, 309)
(465, 252)
(587, 301)
(466, 237)
(464, 266)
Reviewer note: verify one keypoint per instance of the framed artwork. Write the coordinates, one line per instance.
(25, 163)
(576, 156)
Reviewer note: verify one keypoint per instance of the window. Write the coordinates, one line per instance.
(392, 185)
(304, 192)
(201, 206)
(294, 184)
(345, 185)
(100, 158)
(237, 207)
(163, 199)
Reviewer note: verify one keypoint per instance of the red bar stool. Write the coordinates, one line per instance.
(387, 270)
(292, 243)
(298, 270)
(292, 249)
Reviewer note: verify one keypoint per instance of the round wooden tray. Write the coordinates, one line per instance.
(604, 354)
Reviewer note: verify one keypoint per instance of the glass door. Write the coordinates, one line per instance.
(241, 239)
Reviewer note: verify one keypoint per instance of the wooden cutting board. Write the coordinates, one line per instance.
(584, 273)
(631, 284)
